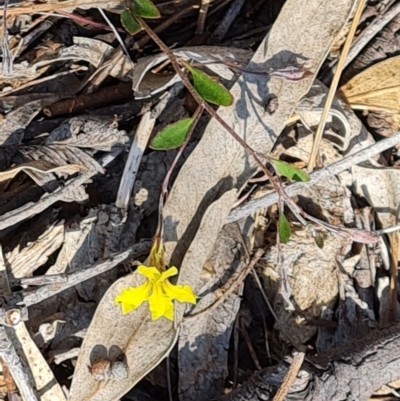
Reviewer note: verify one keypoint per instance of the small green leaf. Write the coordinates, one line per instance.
(145, 9)
(209, 88)
(172, 136)
(289, 171)
(129, 22)
(283, 229)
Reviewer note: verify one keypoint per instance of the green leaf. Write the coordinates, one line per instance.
(209, 88)
(289, 171)
(172, 136)
(283, 229)
(145, 9)
(129, 22)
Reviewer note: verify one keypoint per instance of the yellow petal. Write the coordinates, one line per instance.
(132, 298)
(172, 271)
(160, 305)
(182, 293)
(152, 273)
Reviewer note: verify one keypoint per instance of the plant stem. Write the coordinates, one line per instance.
(164, 187)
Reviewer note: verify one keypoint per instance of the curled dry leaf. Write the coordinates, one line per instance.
(42, 167)
(377, 88)
(89, 132)
(84, 49)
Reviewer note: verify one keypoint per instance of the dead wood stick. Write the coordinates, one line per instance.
(329, 171)
(10, 357)
(352, 372)
(81, 103)
(297, 361)
(47, 291)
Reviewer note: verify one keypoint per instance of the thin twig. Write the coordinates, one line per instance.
(55, 5)
(40, 294)
(290, 377)
(333, 87)
(117, 35)
(241, 277)
(250, 346)
(326, 172)
(263, 294)
(205, 4)
(388, 230)
(169, 384)
(164, 186)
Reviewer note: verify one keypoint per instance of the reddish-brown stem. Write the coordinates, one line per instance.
(164, 187)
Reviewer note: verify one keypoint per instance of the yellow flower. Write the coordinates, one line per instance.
(158, 291)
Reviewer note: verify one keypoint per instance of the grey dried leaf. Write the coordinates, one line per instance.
(312, 277)
(62, 155)
(91, 132)
(23, 262)
(145, 344)
(75, 251)
(219, 162)
(206, 337)
(11, 127)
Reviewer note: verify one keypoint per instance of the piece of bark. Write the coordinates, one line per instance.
(350, 373)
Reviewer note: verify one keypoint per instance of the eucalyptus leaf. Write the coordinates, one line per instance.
(284, 229)
(172, 136)
(143, 343)
(209, 88)
(129, 22)
(289, 171)
(145, 9)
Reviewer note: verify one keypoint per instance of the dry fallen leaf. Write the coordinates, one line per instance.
(141, 342)
(42, 167)
(377, 88)
(303, 32)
